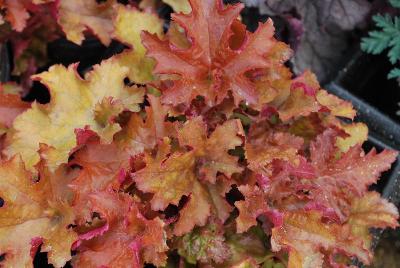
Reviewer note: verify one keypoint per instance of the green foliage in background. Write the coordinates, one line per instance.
(386, 38)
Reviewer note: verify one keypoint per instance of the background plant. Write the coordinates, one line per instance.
(387, 38)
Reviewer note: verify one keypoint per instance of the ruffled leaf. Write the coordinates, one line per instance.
(337, 107)
(195, 212)
(305, 234)
(194, 171)
(211, 67)
(212, 152)
(358, 134)
(17, 11)
(128, 24)
(359, 171)
(74, 105)
(168, 178)
(301, 100)
(75, 17)
(371, 211)
(34, 211)
(142, 134)
(129, 240)
(340, 179)
(11, 106)
(254, 205)
(262, 147)
(101, 165)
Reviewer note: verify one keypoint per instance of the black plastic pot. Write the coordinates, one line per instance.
(356, 83)
(384, 131)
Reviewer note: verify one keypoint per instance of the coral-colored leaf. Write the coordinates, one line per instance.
(75, 16)
(371, 211)
(11, 106)
(339, 179)
(210, 67)
(29, 46)
(204, 201)
(170, 175)
(322, 149)
(200, 139)
(359, 171)
(131, 239)
(262, 147)
(221, 209)
(304, 232)
(302, 100)
(33, 210)
(254, 205)
(142, 134)
(168, 178)
(16, 13)
(298, 104)
(338, 107)
(101, 165)
(74, 104)
(195, 212)
(212, 153)
(353, 168)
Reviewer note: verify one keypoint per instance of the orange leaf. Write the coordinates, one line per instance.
(130, 240)
(371, 211)
(142, 134)
(76, 16)
(195, 212)
(212, 153)
(211, 67)
(304, 234)
(263, 146)
(254, 205)
(338, 107)
(34, 211)
(11, 106)
(101, 166)
(168, 178)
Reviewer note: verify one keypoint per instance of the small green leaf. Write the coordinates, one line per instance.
(387, 38)
(394, 52)
(376, 42)
(395, 73)
(385, 22)
(395, 3)
(246, 121)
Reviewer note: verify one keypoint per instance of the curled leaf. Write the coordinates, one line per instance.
(34, 211)
(74, 104)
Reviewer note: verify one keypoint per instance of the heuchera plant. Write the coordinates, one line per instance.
(211, 154)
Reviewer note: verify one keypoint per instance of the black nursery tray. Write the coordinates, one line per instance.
(384, 131)
(354, 84)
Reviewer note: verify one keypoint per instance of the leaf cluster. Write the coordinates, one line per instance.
(386, 38)
(195, 146)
